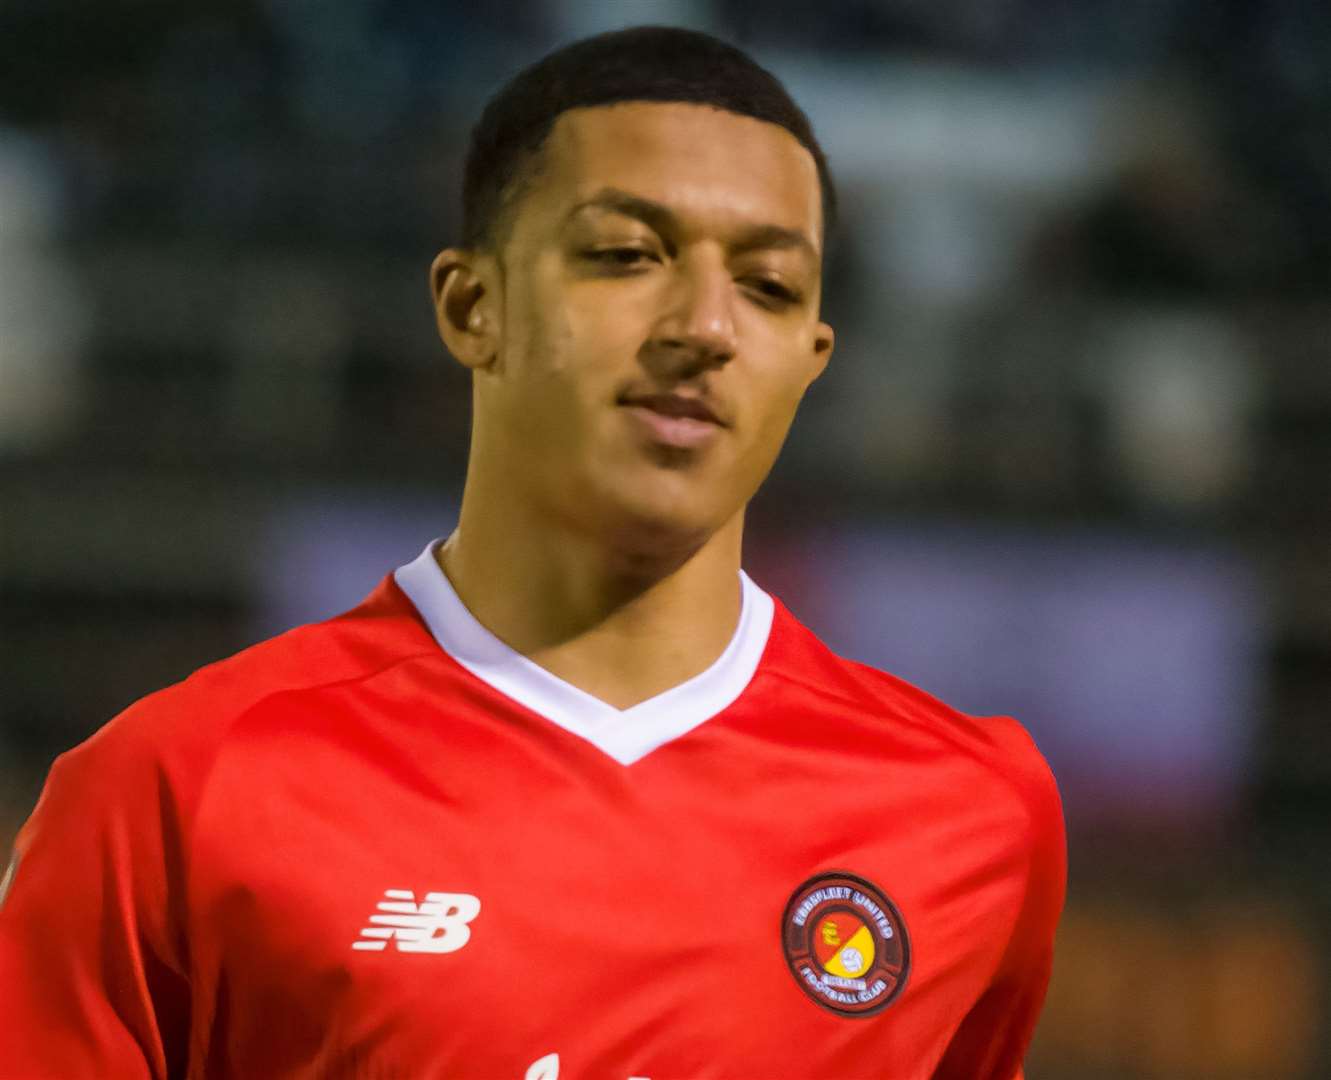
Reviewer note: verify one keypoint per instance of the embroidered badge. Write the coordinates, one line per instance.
(846, 944)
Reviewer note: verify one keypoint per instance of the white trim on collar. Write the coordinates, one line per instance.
(626, 735)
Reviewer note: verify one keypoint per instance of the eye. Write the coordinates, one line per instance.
(773, 291)
(617, 258)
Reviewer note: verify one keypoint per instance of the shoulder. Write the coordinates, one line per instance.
(174, 732)
(123, 804)
(988, 760)
(999, 746)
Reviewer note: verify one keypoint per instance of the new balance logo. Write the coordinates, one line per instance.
(547, 1068)
(438, 924)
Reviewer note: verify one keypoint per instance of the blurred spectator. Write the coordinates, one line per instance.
(43, 320)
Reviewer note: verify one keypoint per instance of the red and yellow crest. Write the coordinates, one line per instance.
(846, 944)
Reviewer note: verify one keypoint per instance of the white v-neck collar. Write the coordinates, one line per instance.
(625, 734)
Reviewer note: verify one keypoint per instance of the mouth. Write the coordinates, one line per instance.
(674, 406)
(679, 421)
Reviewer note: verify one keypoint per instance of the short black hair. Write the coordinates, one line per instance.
(643, 63)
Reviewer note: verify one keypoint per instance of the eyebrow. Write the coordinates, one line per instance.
(664, 220)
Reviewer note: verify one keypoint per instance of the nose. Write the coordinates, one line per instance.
(696, 332)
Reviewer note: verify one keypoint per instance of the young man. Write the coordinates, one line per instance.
(569, 795)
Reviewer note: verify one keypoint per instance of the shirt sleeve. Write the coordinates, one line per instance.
(92, 982)
(992, 1040)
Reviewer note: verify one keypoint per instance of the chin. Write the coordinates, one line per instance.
(652, 522)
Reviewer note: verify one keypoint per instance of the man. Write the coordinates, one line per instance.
(568, 795)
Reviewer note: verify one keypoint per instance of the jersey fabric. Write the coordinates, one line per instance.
(389, 846)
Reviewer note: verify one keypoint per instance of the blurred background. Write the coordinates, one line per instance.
(1072, 460)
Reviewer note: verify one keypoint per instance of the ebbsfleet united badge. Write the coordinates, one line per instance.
(846, 944)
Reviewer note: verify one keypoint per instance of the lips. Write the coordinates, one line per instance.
(675, 406)
(680, 422)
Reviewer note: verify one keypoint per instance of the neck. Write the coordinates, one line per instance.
(623, 622)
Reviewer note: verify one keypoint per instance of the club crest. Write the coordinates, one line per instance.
(846, 944)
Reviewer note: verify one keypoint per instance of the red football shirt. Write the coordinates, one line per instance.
(389, 846)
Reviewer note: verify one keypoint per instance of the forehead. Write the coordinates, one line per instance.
(711, 167)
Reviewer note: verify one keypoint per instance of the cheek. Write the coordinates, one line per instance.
(540, 354)
(609, 326)
(779, 390)
(783, 378)
(566, 359)
(780, 414)
(533, 329)
(587, 348)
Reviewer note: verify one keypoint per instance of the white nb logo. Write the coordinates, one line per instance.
(547, 1068)
(438, 924)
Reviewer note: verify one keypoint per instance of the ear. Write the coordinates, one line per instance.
(465, 306)
(824, 338)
